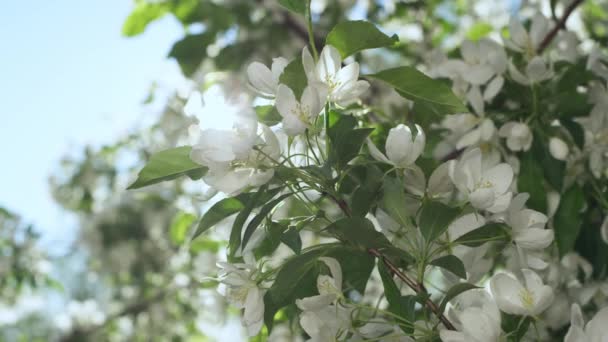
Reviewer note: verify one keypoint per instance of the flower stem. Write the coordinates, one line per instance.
(311, 36)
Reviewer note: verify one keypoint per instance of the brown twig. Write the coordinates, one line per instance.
(414, 285)
(561, 24)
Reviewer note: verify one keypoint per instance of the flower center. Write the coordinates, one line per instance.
(527, 299)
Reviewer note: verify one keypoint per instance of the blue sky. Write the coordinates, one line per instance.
(68, 78)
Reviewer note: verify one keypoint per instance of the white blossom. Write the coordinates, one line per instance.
(524, 41)
(594, 331)
(401, 149)
(529, 298)
(536, 71)
(518, 134)
(299, 115)
(479, 322)
(242, 291)
(528, 225)
(486, 189)
(558, 148)
(265, 81)
(343, 86)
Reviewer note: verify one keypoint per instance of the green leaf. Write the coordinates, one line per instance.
(416, 86)
(191, 50)
(515, 326)
(455, 291)
(365, 195)
(576, 130)
(357, 266)
(255, 222)
(394, 201)
(166, 165)
(402, 306)
(530, 180)
(479, 30)
(350, 37)
(359, 232)
(434, 219)
(294, 77)
(346, 141)
(452, 264)
(268, 115)
(296, 6)
(490, 232)
(291, 238)
(143, 14)
(297, 278)
(567, 220)
(180, 226)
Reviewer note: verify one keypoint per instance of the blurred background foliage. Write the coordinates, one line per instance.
(132, 274)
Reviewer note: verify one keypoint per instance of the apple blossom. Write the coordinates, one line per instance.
(529, 298)
(265, 81)
(558, 148)
(518, 134)
(486, 189)
(478, 324)
(241, 289)
(401, 149)
(341, 82)
(524, 41)
(528, 225)
(594, 331)
(299, 115)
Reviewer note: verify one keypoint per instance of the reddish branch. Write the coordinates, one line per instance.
(561, 24)
(414, 285)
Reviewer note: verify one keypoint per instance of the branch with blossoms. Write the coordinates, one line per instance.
(491, 191)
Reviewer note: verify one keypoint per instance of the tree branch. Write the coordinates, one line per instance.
(561, 24)
(414, 285)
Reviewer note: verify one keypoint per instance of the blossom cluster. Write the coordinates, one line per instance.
(473, 205)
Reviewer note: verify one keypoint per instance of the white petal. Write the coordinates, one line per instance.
(329, 63)
(309, 65)
(517, 32)
(452, 336)
(278, 66)
(534, 238)
(440, 185)
(482, 198)
(558, 148)
(500, 176)
(538, 29)
(476, 100)
(375, 152)
(465, 224)
(537, 70)
(335, 269)
(506, 291)
(518, 76)
(261, 78)
(399, 145)
(310, 100)
(493, 88)
(415, 181)
(286, 102)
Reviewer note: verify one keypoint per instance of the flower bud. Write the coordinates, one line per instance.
(558, 148)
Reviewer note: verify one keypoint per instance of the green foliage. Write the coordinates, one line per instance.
(257, 219)
(346, 140)
(487, 233)
(294, 77)
(167, 165)
(452, 264)
(191, 50)
(268, 115)
(453, 292)
(394, 201)
(350, 37)
(365, 195)
(434, 219)
(296, 6)
(416, 86)
(530, 180)
(567, 221)
(143, 14)
(402, 306)
(359, 232)
(180, 226)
